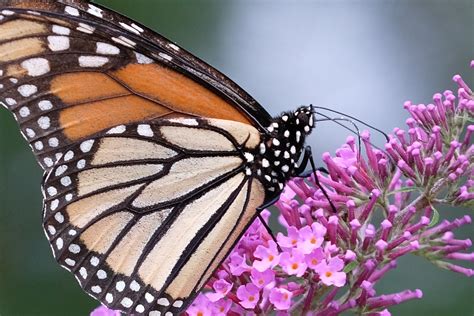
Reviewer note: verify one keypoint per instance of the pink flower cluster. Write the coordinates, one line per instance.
(325, 263)
(330, 263)
(263, 275)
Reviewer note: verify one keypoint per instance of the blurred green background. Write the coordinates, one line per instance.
(360, 57)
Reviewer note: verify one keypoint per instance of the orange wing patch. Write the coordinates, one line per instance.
(177, 92)
(87, 119)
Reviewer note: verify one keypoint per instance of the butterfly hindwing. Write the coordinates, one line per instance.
(143, 214)
(69, 69)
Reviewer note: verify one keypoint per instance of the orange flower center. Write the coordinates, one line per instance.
(314, 262)
(200, 313)
(271, 257)
(251, 298)
(294, 266)
(294, 241)
(328, 274)
(313, 240)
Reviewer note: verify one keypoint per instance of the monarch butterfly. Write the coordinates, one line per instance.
(155, 163)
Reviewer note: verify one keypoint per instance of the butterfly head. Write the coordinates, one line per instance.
(281, 148)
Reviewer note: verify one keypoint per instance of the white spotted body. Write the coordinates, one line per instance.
(277, 156)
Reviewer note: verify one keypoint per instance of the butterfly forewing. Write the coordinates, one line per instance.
(143, 214)
(70, 69)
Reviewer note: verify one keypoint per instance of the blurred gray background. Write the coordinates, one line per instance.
(363, 58)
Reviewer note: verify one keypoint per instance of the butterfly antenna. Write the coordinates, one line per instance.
(355, 130)
(336, 120)
(352, 118)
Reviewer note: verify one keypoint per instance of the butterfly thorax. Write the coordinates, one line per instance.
(276, 158)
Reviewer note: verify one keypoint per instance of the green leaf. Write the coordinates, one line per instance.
(435, 218)
(351, 266)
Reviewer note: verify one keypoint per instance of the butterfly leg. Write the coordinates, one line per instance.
(308, 157)
(269, 230)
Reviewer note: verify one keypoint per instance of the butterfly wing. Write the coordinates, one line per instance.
(69, 69)
(143, 214)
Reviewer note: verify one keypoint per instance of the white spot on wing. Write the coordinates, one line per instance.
(96, 289)
(124, 41)
(173, 46)
(101, 274)
(61, 30)
(148, 297)
(249, 157)
(95, 10)
(178, 303)
(87, 145)
(39, 145)
(81, 164)
(36, 66)
(107, 49)
(144, 130)
(75, 249)
(165, 56)
(59, 243)
(188, 121)
(142, 59)
(69, 155)
(45, 105)
(24, 111)
(163, 302)
(51, 230)
(10, 101)
(85, 28)
(53, 142)
(30, 133)
(58, 43)
(138, 28)
(60, 170)
(44, 122)
(129, 28)
(59, 217)
(94, 261)
(92, 61)
(120, 286)
(27, 90)
(70, 262)
(134, 286)
(126, 302)
(66, 181)
(109, 298)
(83, 272)
(140, 308)
(48, 162)
(71, 11)
(117, 130)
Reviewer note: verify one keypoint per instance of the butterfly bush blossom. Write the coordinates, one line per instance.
(325, 263)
